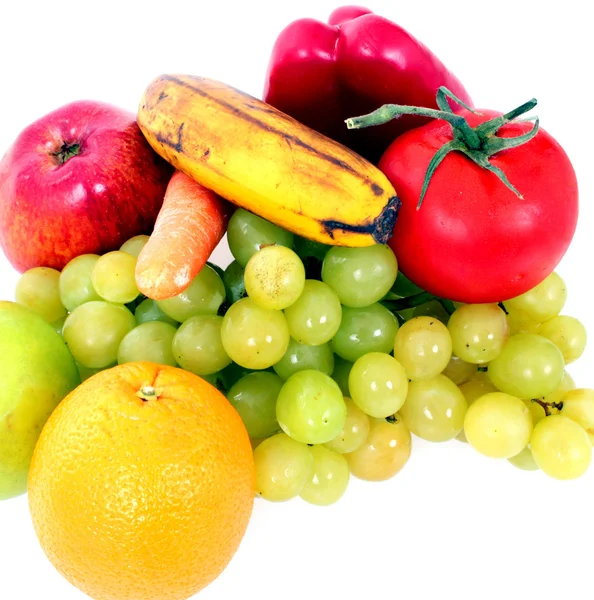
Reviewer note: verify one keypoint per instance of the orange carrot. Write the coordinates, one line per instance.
(192, 221)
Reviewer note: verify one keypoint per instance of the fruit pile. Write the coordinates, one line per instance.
(392, 279)
(332, 358)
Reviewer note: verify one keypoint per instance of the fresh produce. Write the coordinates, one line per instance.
(489, 203)
(378, 384)
(498, 425)
(323, 73)
(266, 162)
(311, 357)
(355, 431)
(310, 407)
(93, 332)
(274, 277)
(283, 467)
(328, 479)
(315, 317)
(39, 291)
(191, 223)
(150, 444)
(149, 342)
(561, 447)
(364, 279)
(80, 180)
(197, 345)
(254, 337)
(434, 409)
(424, 347)
(385, 451)
(578, 405)
(75, 284)
(203, 296)
(37, 372)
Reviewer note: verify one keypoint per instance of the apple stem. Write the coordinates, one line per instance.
(67, 151)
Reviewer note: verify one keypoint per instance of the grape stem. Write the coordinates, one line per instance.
(417, 300)
(546, 406)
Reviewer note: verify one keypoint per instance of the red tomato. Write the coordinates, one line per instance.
(473, 240)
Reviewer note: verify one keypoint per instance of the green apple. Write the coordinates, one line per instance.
(36, 372)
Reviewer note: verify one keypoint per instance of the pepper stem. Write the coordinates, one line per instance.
(477, 143)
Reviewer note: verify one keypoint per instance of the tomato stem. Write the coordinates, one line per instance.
(477, 143)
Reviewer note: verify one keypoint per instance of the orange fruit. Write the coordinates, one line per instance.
(142, 484)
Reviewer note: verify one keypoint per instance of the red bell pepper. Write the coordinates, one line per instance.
(322, 74)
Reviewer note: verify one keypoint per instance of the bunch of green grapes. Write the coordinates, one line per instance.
(334, 360)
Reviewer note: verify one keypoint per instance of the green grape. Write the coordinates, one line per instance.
(520, 322)
(329, 477)
(312, 254)
(578, 405)
(433, 308)
(378, 384)
(254, 337)
(226, 378)
(134, 245)
(283, 467)
(423, 347)
(529, 366)
(218, 270)
(309, 248)
(362, 330)
(314, 318)
(148, 342)
(385, 451)
(568, 334)
(247, 233)
(342, 369)
(59, 325)
(93, 332)
(197, 345)
(542, 302)
(148, 310)
(300, 357)
(254, 398)
(114, 277)
(498, 425)
(232, 373)
(86, 372)
(478, 332)
(203, 296)
(552, 400)
(38, 289)
(360, 276)
(234, 283)
(354, 432)
(274, 277)
(76, 286)
(561, 447)
(524, 460)
(537, 412)
(458, 370)
(477, 386)
(403, 287)
(434, 409)
(310, 407)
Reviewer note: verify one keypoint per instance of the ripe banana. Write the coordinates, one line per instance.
(267, 162)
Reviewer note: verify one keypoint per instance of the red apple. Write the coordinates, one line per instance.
(80, 180)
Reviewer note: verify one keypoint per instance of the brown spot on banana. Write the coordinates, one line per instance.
(380, 228)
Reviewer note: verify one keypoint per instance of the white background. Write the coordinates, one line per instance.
(452, 524)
